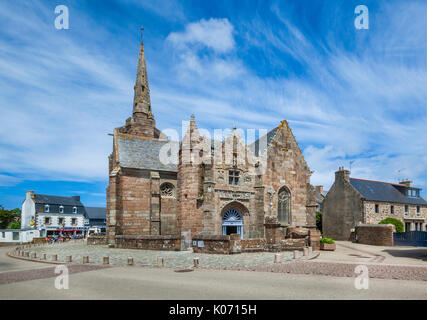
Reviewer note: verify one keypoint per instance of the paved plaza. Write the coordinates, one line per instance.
(148, 258)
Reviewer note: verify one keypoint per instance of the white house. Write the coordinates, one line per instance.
(18, 235)
(53, 215)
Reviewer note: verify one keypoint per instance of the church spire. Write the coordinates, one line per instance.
(141, 101)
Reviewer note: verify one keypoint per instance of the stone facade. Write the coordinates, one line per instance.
(351, 202)
(342, 208)
(208, 181)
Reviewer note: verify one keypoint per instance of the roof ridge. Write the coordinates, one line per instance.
(396, 184)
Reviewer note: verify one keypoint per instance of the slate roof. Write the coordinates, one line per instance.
(140, 153)
(96, 212)
(65, 201)
(384, 191)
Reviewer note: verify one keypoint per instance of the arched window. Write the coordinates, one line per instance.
(167, 190)
(284, 206)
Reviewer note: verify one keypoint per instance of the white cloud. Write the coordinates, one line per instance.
(216, 34)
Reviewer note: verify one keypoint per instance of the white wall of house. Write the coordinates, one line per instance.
(55, 219)
(18, 235)
(28, 213)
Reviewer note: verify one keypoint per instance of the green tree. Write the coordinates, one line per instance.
(8, 216)
(397, 223)
(319, 220)
(14, 225)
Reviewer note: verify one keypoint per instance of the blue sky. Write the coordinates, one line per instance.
(348, 94)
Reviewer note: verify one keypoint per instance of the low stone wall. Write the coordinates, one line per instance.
(253, 245)
(375, 234)
(214, 244)
(40, 240)
(151, 242)
(97, 240)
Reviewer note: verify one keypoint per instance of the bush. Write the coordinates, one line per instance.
(14, 225)
(327, 240)
(397, 223)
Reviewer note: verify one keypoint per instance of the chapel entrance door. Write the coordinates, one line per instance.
(232, 222)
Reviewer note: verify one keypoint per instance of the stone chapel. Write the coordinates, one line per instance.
(233, 188)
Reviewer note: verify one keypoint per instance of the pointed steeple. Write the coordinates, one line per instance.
(141, 101)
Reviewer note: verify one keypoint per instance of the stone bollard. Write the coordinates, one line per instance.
(68, 259)
(277, 258)
(296, 254)
(160, 261)
(106, 260)
(33, 255)
(310, 250)
(43, 257)
(196, 262)
(85, 259)
(54, 257)
(130, 261)
(305, 252)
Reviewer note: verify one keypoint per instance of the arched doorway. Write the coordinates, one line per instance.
(232, 222)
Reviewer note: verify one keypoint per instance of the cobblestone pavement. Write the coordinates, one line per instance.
(172, 259)
(379, 271)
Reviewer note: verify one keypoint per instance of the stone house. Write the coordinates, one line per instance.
(352, 201)
(206, 186)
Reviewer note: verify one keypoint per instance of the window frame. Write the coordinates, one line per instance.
(377, 208)
(406, 209)
(74, 209)
(46, 208)
(61, 209)
(233, 177)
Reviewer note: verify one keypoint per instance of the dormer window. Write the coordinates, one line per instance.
(414, 193)
(46, 208)
(74, 209)
(61, 209)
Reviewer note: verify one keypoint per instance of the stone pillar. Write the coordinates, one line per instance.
(160, 261)
(130, 261)
(196, 262)
(113, 206)
(277, 258)
(314, 239)
(272, 230)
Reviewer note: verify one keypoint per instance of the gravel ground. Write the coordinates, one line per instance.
(172, 259)
(379, 271)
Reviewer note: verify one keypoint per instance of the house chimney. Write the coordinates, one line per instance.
(319, 189)
(29, 195)
(342, 174)
(407, 183)
(77, 198)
